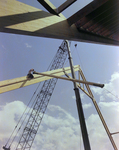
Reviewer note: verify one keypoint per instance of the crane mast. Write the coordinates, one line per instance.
(42, 100)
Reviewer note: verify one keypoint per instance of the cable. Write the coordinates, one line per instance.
(84, 71)
(50, 63)
(111, 93)
(24, 119)
(67, 59)
(79, 59)
(72, 53)
(21, 118)
(10, 136)
(25, 111)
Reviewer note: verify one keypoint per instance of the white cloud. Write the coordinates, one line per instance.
(110, 89)
(27, 45)
(81, 95)
(8, 116)
(54, 131)
(97, 135)
(111, 113)
(102, 98)
(86, 106)
(97, 90)
(60, 130)
(74, 97)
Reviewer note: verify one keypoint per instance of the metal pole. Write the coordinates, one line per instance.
(79, 106)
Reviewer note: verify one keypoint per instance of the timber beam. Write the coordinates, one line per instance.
(65, 5)
(51, 8)
(48, 6)
(86, 10)
(19, 18)
(20, 82)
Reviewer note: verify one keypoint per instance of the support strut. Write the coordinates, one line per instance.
(79, 106)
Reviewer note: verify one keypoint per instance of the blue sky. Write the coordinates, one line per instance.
(60, 128)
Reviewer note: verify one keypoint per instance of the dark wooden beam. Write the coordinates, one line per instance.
(19, 18)
(48, 6)
(85, 11)
(64, 6)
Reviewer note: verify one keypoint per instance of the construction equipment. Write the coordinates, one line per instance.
(43, 97)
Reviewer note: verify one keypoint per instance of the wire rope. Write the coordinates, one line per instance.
(24, 120)
(111, 93)
(21, 118)
(67, 59)
(85, 75)
(82, 67)
(72, 53)
(25, 112)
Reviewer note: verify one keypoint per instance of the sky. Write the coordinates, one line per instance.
(60, 129)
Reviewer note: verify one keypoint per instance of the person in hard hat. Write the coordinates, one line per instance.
(30, 75)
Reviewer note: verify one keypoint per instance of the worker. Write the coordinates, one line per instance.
(75, 45)
(30, 75)
(4, 147)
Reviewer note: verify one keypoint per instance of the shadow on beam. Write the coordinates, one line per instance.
(43, 24)
(62, 30)
(22, 18)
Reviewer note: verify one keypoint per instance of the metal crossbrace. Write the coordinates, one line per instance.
(42, 100)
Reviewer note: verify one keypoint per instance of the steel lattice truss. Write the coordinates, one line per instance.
(42, 100)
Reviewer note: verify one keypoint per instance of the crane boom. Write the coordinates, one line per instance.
(42, 100)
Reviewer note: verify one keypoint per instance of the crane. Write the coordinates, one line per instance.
(44, 95)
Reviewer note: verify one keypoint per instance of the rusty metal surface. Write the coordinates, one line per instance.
(102, 21)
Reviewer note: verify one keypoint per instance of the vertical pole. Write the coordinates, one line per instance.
(79, 105)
